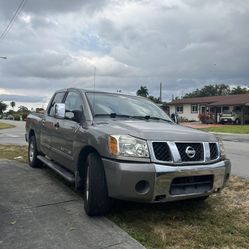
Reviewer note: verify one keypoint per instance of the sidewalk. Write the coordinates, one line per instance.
(39, 210)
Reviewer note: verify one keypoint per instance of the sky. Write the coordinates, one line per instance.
(184, 44)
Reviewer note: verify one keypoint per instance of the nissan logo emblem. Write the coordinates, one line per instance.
(190, 152)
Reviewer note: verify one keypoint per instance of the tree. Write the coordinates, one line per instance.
(143, 91)
(13, 104)
(3, 107)
(155, 99)
(239, 90)
(210, 90)
(23, 109)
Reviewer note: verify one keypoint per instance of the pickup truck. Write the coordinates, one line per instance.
(116, 146)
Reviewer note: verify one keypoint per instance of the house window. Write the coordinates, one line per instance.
(179, 109)
(203, 109)
(194, 108)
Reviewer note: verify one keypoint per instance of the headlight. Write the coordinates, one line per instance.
(222, 148)
(128, 146)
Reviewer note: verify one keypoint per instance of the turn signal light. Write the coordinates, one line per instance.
(113, 145)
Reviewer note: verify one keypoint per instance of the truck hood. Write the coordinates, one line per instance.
(153, 130)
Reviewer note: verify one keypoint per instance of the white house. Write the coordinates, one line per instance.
(190, 108)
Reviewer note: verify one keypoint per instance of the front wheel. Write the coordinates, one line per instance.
(34, 162)
(237, 121)
(202, 198)
(96, 199)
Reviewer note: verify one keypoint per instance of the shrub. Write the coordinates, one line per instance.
(207, 118)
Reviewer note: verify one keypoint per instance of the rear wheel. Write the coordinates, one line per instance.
(96, 199)
(34, 162)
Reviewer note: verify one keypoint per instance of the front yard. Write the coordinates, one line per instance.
(222, 221)
(239, 129)
(5, 126)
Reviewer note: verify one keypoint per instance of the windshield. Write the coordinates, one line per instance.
(107, 104)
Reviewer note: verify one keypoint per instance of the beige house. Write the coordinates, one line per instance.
(190, 108)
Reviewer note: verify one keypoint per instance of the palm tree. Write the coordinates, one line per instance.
(143, 91)
(13, 104)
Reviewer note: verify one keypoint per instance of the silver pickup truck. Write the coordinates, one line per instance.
(111, 145)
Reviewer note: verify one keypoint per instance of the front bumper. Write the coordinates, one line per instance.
(151, 182)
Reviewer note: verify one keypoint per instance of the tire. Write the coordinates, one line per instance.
(34, 162)
(200, 199)
(237, 121)
(96, 199)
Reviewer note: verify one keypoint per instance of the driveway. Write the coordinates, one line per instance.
(39, 210)
(13, 135)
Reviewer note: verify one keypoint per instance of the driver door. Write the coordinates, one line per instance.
(67, 128)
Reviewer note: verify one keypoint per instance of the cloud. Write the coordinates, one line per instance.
(55, 6)
(184, 44)
(21, 98)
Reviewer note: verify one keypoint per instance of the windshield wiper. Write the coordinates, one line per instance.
(147, 117)
(112, 115)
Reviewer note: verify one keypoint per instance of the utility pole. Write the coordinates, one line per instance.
(161, 92)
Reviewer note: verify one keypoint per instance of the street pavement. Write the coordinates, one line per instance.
(237, 150)
(40, 210)
(13, 135)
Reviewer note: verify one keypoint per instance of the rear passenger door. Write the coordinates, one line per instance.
(48, 124)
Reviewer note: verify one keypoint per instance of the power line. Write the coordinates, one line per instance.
(9, 26)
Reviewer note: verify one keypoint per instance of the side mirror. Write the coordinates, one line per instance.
(60, 110)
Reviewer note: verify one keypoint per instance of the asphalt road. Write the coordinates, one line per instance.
(39, 210)
(237, 150)
(13, 135)
(237, 146)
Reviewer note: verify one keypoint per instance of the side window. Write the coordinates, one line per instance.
(194, 108)
(57, 99)
(74, 106)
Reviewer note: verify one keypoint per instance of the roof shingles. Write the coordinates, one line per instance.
(239, 99)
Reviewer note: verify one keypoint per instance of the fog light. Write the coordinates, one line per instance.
(142, 187)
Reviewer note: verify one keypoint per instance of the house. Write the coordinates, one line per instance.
(190, 108)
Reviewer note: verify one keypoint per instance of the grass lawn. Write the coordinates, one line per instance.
(6, 126)
(14, 151)
(240, 129)
(222, 221)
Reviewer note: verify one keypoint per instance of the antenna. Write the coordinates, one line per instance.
(94, 76)
(94, 81)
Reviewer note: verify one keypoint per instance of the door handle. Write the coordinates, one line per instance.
(57, 125)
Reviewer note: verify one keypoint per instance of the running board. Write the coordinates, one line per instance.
(58, 169)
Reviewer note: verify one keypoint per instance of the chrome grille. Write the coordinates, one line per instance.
(198, 148)
(213, 151)
(162, 151)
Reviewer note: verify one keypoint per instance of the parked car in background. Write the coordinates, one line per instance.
(9, 117)
(232, 117)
